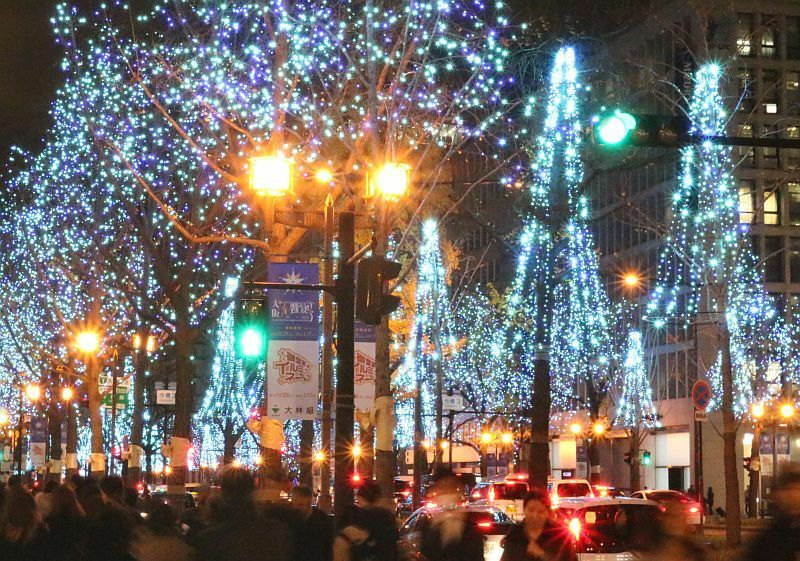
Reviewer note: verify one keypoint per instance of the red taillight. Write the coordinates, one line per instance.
(522, 476)
(406, 493)
(575, 529)
(484, 524)
(694, 510)
(476, 495)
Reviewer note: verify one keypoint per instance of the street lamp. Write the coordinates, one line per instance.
(319, 456)
(390, 181)
(67, 393)
(598, 428)
(4, 418)
(507, 438)
(150, 346)
(757, 410)
(486, 438)
(575, 428)
(33, 392)
(271, 175)
(88, 342)
(631, 280)
(787, 410)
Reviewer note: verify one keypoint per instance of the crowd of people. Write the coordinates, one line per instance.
(83, 520)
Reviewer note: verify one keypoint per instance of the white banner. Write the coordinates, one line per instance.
(292, 379)
(38, 453)
(364, 376)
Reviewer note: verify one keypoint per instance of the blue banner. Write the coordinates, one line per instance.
(365, 333)
(39, 429)
(294, 314)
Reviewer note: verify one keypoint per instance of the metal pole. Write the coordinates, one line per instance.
(774, 456)
(113, 418)
(20, 428)
(450, 419)
(327, 354)
(345, 407)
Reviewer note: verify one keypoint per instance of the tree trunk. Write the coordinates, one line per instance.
(755, 460)
(636, 472)
(366, 463)
(72, 442)
(539, 457)
(730, 428)
(98, 464)
(384, 459)
(184, 398)
(229, 438)
(593, 451)
(54, 432)
(140, 362)
(306, 453)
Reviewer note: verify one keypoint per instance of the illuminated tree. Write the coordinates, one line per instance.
(708, 275)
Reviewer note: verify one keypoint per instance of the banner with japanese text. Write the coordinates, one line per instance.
(294, 343)
(38, 440)
(364, 371)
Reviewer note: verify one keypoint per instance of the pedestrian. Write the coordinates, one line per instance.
(22, 534)
(237, 531)
(666, 537)
(781, 540)
(159, 539)
(710, 500)
(448, 536)
(538, 537)
(67, 526)
(109, 525)
(313, 528)
(369, 531)
(44, 499)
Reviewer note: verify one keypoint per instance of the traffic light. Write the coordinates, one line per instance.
(373, 300)
(618, 128)
(251, 329)
(646, 459)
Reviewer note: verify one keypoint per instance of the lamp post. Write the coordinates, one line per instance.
(87, 344)
(33, 392)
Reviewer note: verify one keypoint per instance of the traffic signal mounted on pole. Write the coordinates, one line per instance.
(373, 300)
(250, 330)
(618, 128)
(646, 458)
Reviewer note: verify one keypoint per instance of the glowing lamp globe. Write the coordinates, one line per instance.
(486, 437)
(88, 342)
(787, 410)
(271, 175)
(67, 393)
(390, 182)
(507, 438)
(33, 391)
(757, 410)
(4, 418)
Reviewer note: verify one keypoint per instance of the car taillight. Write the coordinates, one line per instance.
(484, 524)
(694, 510)
(406, 493)
(575, 529)
(476, 495)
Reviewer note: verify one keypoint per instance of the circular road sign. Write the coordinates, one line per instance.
(701, 395)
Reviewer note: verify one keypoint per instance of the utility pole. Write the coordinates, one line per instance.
(327, 355)
(345, 347)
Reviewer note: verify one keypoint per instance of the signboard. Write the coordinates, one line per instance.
(701, 395)
(38, 440)
(700, 415)
(165, 397)
(293, 352)
(452, 402)
(364, 371)
(293, 379)
(122, 398)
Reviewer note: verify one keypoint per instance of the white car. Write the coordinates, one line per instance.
(602, 528)
(488, 521)
(504, 492)
(560, 489)
(693, 510)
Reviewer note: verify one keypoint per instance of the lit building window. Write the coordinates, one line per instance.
(771, 107)
(793, 80)
(744, 32)
(771, 207)
(746, 206)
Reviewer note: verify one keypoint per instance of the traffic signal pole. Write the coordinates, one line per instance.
(345, 354)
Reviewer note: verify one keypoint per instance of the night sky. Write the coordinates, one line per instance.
(28, 71)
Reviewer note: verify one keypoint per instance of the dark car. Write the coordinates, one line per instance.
(492, 524)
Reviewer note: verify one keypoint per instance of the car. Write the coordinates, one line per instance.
(560, 489)
(402, 489)
(489, 521)
(693, 509)
(604, 528)
(505, 492)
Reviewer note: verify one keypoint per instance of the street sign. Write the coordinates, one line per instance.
(452, 402)
(700, 415)
(165, 397)
(701, 395)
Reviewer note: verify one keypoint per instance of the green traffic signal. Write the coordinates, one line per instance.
(252, 343)
(613, 129)
(646, 458)
(251, 330)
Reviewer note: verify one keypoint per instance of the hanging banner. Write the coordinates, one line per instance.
(364, 371)
(38, 440)
(294, 346)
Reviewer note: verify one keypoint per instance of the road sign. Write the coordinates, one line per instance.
(700, 415)
(701, 395)
(165, 397)
(452, 402)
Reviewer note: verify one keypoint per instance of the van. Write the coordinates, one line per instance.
(568, 489)
(504, 492)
